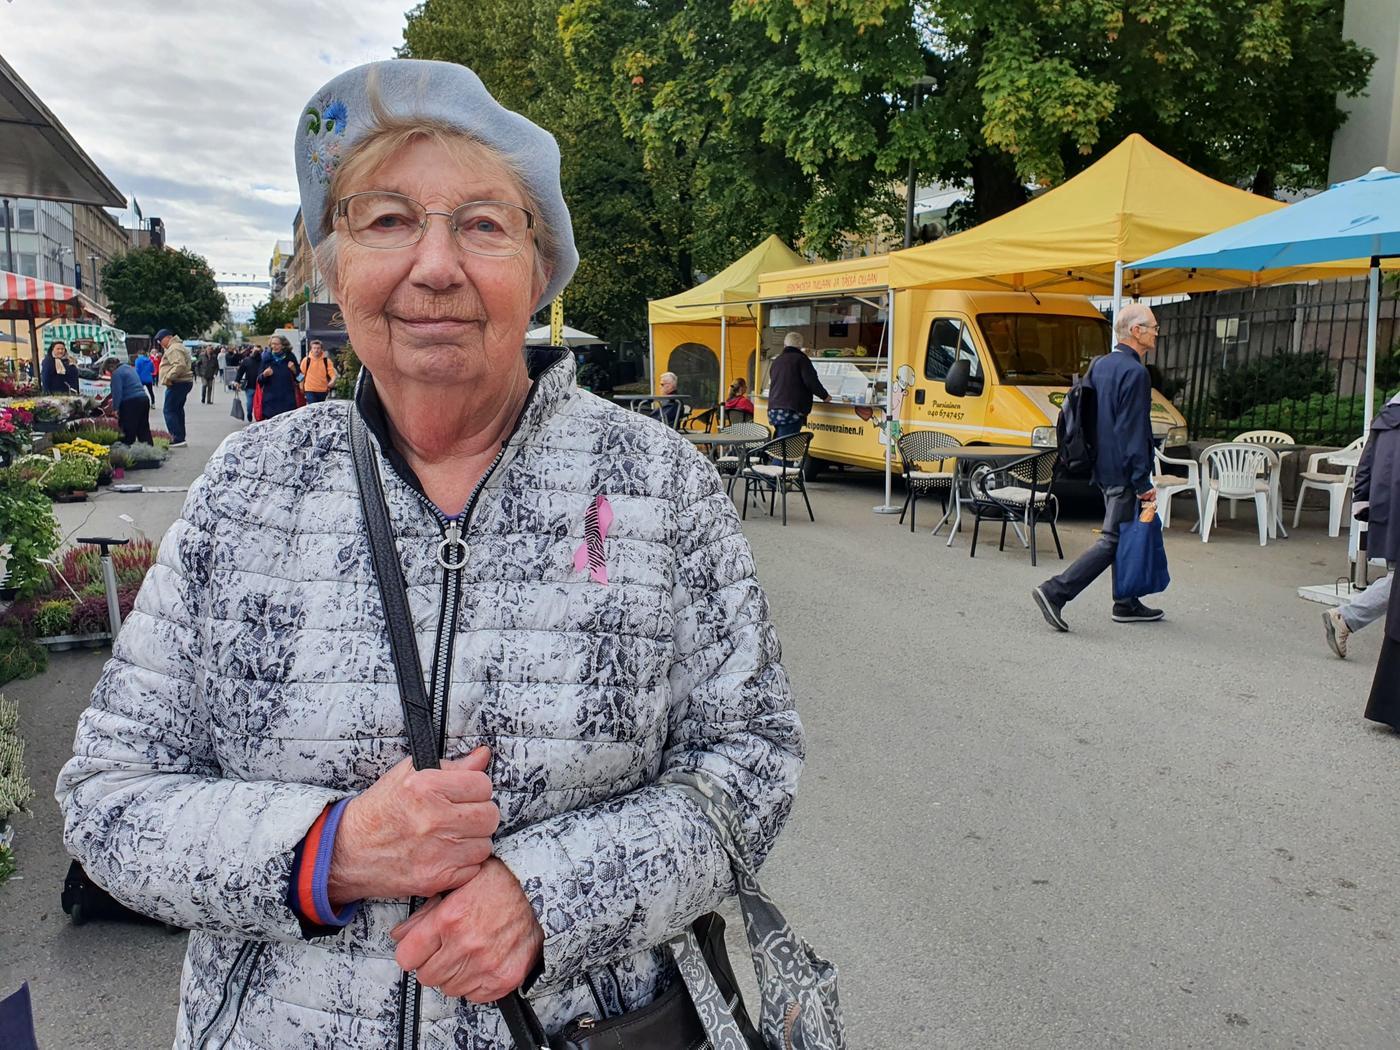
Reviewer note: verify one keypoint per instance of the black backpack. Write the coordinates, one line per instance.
(1076, 427)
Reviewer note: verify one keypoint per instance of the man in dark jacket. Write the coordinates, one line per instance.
(792, 383)
(1374, 500)
(1122, 392)
(248, 370)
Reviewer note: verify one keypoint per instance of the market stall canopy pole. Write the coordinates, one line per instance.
(38, 158)
(1354, 220)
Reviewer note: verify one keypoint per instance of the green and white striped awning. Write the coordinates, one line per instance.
(69, 331)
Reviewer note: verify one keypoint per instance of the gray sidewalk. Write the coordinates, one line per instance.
(1163, 835)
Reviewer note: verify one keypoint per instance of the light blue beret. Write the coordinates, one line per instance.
(339, 115)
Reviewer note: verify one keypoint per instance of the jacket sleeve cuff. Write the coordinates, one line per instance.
(309, 893)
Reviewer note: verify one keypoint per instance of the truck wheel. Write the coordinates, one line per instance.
(812, 468)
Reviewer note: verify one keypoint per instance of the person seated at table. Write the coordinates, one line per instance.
(668, 411)
(58, 373)
(738, 399)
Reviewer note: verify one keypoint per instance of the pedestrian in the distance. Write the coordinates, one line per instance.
(278, 379)
(1122, 392)
(1376, 501)
(146, 371)
(130, 401)
(177, 376)
(58, 373)
(318, 374)
(248, 371)
(792, 385)
(207, 369)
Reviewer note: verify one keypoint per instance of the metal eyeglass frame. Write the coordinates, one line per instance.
(342, 211)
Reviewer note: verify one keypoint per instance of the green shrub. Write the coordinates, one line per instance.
(1320, 419)
(1265, 380)
(15, 790)
(53, 618)
(348, 374)
(20, 657)
(27, 524)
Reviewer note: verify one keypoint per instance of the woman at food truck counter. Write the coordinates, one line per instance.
(792, 384)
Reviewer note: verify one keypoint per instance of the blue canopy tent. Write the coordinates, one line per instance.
(1358, 221)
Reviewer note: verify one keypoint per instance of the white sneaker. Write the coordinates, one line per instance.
(1337, 631)
(179, 444)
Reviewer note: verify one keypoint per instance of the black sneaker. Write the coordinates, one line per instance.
(1135, 612)
(1049, 610)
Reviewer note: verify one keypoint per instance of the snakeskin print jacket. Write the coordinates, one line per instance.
(253, 685)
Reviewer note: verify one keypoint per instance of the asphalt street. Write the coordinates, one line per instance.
(1167, 835)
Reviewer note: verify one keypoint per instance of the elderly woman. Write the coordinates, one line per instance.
(586, 617)
(57, 372)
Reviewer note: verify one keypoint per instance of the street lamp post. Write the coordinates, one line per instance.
(910, 188)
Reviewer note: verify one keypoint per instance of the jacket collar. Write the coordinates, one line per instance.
(551, 370)
(1129, 350)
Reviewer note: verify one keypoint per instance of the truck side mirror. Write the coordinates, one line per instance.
(960, 381)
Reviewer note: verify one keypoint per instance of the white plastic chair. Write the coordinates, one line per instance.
(1335, 485)
(1270, 437)
(1169, 485)
(1235, 471)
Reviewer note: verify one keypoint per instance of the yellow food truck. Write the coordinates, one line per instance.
(984, 367)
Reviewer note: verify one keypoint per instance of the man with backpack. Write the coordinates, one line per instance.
(1111, 414)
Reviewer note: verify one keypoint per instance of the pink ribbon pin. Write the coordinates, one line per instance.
(590, 554)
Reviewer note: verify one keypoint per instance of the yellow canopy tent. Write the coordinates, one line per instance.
(691, 331)
(1133, 202)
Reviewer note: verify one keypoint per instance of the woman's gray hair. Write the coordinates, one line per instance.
(1133, 313)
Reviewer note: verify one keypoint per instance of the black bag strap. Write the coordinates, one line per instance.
(417, 708)
(525, 1027)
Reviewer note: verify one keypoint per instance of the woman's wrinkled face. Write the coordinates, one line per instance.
(432, 312)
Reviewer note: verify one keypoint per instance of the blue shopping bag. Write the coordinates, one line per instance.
(1141, 562)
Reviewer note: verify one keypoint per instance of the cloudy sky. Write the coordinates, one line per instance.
(190, 105)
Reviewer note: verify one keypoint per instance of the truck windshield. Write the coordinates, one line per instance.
(1044, 349)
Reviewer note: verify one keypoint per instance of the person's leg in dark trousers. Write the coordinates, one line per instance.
(151, 392)
(1384, 703)
(248, 404)
(174, 410)
(1120, 504)
(134, 416)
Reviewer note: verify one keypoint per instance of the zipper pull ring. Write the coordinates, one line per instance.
(452, 545)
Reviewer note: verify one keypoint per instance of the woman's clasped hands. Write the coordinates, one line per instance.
(428, 833)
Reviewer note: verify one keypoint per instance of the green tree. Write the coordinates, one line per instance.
(1032, 91)
(628, 251)
(154, 288)
(274, 314)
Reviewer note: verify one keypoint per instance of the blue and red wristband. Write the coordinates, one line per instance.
(311, 866)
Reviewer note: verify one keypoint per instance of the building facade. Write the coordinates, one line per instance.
(39, 241)
(1371, 135)
(277, 268)
(98, 238)
(302, 272)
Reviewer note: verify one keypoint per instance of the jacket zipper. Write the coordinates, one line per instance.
(240, 975)
(452, 554)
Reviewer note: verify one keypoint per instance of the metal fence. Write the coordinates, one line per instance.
(1290, 358)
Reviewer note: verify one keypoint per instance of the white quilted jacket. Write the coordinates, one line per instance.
(253, 685)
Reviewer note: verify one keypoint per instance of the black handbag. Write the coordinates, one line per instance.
(670, 1021)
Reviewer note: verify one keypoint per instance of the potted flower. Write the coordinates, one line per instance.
(145, 457)
(48, 416)
(15, 789)
(27, 525)
(71, 478)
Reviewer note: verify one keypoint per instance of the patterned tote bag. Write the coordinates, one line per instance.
(800, 1009)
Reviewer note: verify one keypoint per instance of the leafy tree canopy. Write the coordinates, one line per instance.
(154, 288)
(276, 313)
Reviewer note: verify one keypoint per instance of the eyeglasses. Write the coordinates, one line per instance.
(1149, 327)
(378, 219)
